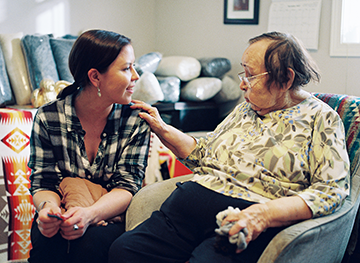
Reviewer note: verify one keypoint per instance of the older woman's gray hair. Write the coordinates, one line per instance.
(285, 52)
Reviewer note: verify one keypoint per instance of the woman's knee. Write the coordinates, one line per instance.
(95, 244)
(117, 251)
(44, 249)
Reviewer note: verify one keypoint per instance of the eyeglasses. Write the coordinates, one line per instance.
(249, 79)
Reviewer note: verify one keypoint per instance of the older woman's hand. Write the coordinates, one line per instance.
(275, 213)
(178, 142)
(151, 116)
(254, 218)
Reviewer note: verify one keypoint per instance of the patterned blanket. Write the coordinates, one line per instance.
(348, 107)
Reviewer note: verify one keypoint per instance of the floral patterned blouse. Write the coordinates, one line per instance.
(296, 151)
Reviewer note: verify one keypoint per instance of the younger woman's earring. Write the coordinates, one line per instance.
(99, 93)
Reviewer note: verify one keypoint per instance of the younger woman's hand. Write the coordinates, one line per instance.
(76, 221)
(49, 226)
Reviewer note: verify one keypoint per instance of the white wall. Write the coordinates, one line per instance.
(196, 28)
(134, 18)
(180, 27)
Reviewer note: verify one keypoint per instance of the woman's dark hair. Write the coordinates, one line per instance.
(284, 52)
(92, 49)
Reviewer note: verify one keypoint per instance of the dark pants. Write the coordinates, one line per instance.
(93, 246)
(183, 230)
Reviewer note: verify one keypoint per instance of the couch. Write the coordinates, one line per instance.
(324, 239)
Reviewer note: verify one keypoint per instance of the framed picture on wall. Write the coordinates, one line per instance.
(241, 12)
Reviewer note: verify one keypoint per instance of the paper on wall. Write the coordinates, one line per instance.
(300, 18)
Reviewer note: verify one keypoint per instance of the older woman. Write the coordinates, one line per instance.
(279, 157)
(90, 133)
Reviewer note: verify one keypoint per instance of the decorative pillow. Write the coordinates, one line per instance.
(230, 90)
(61, 49)
(214, 67)
(148, 62)
(47, 92)
(185, 68)
(6, 96)
(39, 58)
(170, 86)
(200, 89)
(68, 36)
(16, 67)
(348, 107)
(147, 89)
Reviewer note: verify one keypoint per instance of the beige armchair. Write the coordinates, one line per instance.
(324, 239)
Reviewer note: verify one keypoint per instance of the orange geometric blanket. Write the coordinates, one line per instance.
(17, 209)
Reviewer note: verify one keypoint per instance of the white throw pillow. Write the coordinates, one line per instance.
(201, 89)
(16, 67)
(185, 68)
(148, 89)
(230, 90)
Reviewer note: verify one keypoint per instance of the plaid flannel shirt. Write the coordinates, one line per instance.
(57, 148)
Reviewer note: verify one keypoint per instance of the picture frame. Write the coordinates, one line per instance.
(241, 12)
